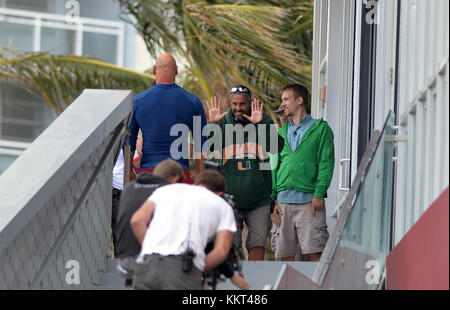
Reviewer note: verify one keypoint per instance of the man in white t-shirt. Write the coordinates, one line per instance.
(177, 217)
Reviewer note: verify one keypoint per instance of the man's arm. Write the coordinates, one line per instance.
(275, 163)
(199, 166)
(220, 251)
(132, 174)
(138, 157)
(199, 141)
(239, 281)
(134, 129)
(141, 219)
(326, 164)
(325, 170)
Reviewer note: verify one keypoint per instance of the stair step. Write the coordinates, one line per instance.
(111, 279)
(111, 265)
(111, 288)
(261, 274)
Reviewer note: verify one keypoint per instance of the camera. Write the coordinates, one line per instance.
(229, 199)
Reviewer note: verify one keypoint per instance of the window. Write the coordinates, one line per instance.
(22, 116)
(31, 5)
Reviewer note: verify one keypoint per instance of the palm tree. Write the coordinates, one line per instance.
(61, 79)
(263, 44)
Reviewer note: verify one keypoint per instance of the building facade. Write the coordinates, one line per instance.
(370, 58)
(50, 25)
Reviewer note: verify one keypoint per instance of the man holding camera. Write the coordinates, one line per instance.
(174, 226)
(134, 195)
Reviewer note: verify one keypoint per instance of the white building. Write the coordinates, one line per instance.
(372, 57)
(43, 25)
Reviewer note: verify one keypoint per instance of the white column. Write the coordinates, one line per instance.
(79, 40)
(419, 163)
(37, 34)
(410, 175)
(120, 47)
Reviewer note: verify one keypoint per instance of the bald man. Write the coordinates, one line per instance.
(159, 108)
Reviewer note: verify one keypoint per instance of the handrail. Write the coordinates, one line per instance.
(347, 206)
(345, 209)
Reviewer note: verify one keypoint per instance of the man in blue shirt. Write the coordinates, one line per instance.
(157, 109)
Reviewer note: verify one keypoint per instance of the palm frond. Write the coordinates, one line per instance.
(60, 79)
(264, 44)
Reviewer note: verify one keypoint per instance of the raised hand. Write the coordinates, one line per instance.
(214, 110)
(257, 114)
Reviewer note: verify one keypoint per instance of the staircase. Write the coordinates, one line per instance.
(260, 275)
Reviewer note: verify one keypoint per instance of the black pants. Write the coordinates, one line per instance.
(115, 209)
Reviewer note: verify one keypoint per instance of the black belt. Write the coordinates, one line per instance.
(117, 192)
(177, 257)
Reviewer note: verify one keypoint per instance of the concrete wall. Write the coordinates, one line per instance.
(56, 197)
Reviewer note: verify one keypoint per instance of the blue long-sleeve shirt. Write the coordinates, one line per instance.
(155, 111)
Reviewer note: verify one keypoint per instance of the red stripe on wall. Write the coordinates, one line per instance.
(421, 260)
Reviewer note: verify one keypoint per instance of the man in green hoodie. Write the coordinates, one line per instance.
(242, 163)
(301, 179)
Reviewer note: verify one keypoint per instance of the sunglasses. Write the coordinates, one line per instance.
(240, 90)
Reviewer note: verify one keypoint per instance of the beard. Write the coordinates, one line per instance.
(240, 119)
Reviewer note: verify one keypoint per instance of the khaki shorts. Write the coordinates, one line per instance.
(299, 227)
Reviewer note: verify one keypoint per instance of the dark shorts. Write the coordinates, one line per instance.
(258, 224)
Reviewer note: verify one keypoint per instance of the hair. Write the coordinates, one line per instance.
(247, 95)
(168, 169)
(212, 179)
(300, 91)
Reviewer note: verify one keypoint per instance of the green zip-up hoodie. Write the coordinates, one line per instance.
(250, 186)
(310, 167)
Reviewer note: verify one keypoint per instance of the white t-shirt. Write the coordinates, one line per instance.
(186, 212)
(117, 177)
